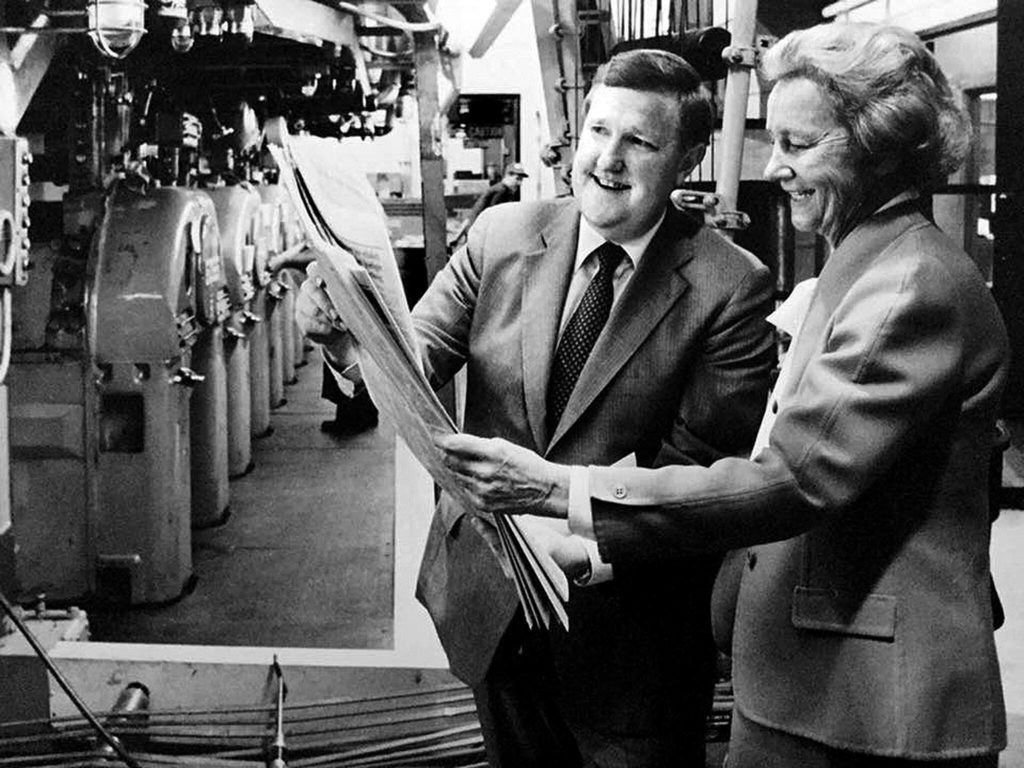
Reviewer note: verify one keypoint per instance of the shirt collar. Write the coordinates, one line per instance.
(902, 197)
(589, 239)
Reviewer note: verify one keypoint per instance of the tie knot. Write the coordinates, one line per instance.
(609, 255)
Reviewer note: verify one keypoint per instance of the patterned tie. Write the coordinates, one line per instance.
(582, 331)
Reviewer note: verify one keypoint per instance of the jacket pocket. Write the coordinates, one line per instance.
(872, 616)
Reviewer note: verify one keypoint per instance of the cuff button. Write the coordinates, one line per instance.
(619, 491)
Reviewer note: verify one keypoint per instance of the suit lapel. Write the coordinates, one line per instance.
(546, 274)
(655, 288)
(844, 266)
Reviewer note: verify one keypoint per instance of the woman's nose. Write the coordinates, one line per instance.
(776, 169)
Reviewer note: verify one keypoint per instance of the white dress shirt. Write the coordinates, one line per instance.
(586, 267)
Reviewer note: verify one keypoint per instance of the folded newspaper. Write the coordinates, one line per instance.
(346, 228)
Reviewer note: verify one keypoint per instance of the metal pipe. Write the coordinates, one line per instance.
(116, 745)
(844, 6)
(734, 112)
(405, 26)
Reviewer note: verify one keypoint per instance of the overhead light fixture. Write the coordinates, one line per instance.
(116, 26)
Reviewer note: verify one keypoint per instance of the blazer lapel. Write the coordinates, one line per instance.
(655, 288)
(546, 274)
(844, 266)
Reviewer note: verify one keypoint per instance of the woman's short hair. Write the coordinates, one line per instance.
(886, 89)
(649, 69)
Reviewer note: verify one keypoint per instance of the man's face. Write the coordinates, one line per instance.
(629, 159)
(811, 158)
(513, 180)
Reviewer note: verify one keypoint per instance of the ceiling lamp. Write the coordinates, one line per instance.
(117, 26)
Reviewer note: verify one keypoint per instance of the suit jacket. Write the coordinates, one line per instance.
(863, 617)
(678, 374)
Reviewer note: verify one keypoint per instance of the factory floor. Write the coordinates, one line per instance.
(305, 558)
(308, 559)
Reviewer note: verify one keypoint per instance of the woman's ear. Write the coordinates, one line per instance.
(690, 160)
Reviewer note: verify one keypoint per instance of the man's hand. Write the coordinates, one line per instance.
(565, 549)
(499, 476)
(319, 320)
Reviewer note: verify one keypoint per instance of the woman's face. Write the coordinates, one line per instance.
(812, 159)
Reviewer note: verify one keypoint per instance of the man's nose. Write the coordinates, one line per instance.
(610, 156)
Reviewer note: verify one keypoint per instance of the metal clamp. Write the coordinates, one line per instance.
(733, 220)
(692, 200)
(740, 56)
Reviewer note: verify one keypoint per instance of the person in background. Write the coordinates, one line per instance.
(858, 614)
(593, 328)
(506, 190)
(354, 411)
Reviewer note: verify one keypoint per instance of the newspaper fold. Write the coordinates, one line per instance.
(346, 228)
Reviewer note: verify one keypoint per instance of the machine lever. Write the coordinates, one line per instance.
(231, 330)
(187, 377)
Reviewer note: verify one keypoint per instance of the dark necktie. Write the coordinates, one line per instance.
(582, 331)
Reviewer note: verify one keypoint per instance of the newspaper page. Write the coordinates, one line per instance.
(346, 226)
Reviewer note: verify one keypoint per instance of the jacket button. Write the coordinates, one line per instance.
(619, 491)
(751, 560)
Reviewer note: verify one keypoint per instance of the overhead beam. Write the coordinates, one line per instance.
(22, 68)
(496, 22)
(306, 21)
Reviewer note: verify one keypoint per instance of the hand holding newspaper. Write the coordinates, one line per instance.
(346, 227)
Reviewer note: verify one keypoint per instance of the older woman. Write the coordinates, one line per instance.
(862, 625)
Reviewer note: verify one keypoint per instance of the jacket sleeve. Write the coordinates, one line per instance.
(444, 314)
(887, 362)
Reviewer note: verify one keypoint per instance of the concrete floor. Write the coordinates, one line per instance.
(305, 558)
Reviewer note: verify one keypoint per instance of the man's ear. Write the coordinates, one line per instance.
(691, 159)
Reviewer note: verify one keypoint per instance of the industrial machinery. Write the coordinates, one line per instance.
(208, 412)
(142, 322)
(238, 217)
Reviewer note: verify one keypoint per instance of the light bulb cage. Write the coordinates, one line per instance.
(116, 26)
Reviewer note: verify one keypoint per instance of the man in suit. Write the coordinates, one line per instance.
(858, 613)
(678, 373)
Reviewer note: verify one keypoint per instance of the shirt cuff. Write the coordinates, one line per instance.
(581, 523)
(600, 571)
(581, 517)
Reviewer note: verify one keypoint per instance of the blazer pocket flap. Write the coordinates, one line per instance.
(826, 610)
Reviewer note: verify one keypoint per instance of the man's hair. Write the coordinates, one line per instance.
(648, 69)
(885, 89)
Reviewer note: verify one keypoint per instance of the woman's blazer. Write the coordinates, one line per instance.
(863, 618)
